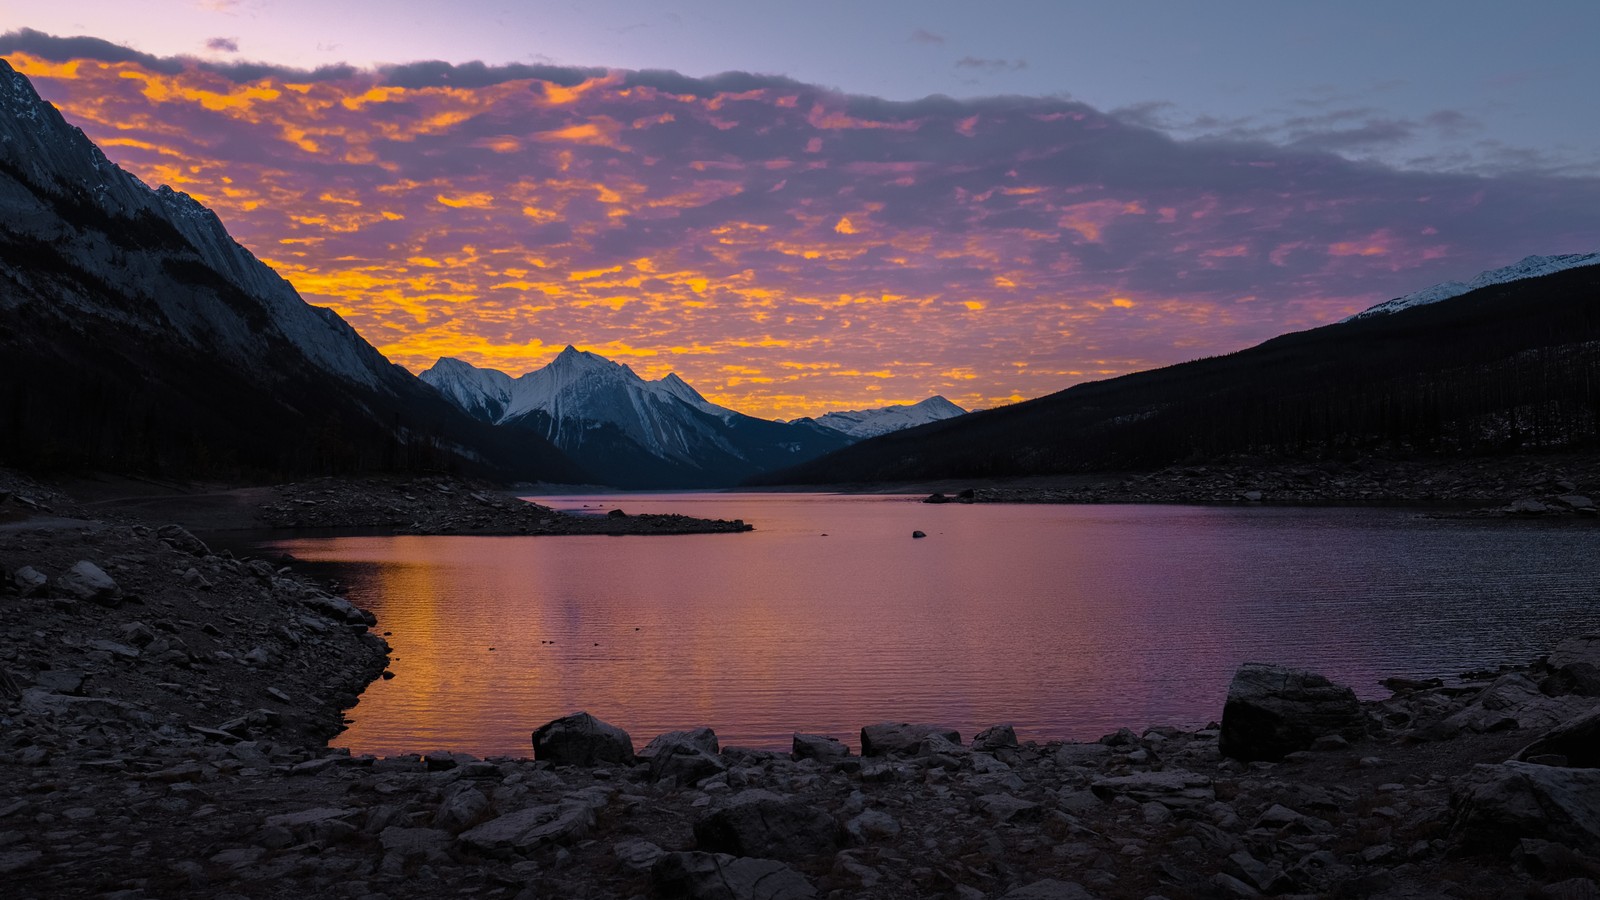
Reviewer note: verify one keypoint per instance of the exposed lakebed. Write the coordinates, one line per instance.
(1068, 621)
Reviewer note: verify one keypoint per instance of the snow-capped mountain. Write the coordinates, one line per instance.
(139, 335)
(1529, 267)
(629, 431)
(861, 424)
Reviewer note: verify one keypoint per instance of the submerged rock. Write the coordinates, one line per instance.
(1273, 711)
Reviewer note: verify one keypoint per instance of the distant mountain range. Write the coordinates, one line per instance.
(1511, 365)
(636, 433)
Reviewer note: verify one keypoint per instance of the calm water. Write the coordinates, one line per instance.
(1068, 621)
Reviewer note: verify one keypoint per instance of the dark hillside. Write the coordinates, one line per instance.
(1512, 367)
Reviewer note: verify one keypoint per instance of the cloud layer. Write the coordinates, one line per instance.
(785, 248)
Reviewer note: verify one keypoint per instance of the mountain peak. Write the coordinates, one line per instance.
(865, 423)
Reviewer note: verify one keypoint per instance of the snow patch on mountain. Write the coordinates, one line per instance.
(866, 423)
(1528, 267)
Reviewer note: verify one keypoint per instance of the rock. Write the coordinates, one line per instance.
(919, 534)
(718, 876)
(1575, 501)
(870, 825)
(59, 681)
(87, 581)
(1515, 701)
(903, 738)
(178, 538)
(1527, 506)
(339, 610)
(1502, 804)
(582, 740)
(1252, 496)
(1006, 808)
(1273, 711)
(760, 823)
(699, 738)
(462, 808)
(819, 747)
(1173, 787)
(429, 843)
(259, 657)
(1576, 741)
(999, 737)
(528, 829)
(29, 581)
(1082, 755)
(936, 497)
(115, 649)
(636, 855)
(1049, 889)
(684, 756)
(1576, 667)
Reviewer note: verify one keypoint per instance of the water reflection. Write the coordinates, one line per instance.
(1067, 621)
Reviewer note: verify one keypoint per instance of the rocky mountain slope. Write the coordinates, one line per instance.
(630, 432)
(140, 336)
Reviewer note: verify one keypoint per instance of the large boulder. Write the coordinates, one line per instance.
(1577, 742)
(901, 738)
(718, 876)
(178, 538)
(1515, 701)
(760, 823)
(87, 581)
(1273, 711)
(819, 747)
(582, 740)
(1575, 667)
(1502, 804)
(684, 756)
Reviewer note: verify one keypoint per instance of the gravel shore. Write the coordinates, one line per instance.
(165, 713)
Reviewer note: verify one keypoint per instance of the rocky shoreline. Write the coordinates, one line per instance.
(1524, 487)
(164, 711)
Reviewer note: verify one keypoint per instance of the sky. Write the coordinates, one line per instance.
(809, 207)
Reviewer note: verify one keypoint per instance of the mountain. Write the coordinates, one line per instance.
(630, 432)
(1529, 267)
(861, 424)
(139, 336)
(1513, 366)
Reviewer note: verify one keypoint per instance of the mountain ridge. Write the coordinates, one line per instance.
(141, 336)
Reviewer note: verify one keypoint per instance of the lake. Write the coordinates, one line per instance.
(1066, 621)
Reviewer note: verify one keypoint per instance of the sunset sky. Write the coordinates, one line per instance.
(919, 199)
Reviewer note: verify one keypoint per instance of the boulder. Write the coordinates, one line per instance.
(699, 738)
(999, 737)
(582, 740)
(684, 756)
(1502, 804)
(819, 747)
(1515, 701)
(1174, 787)
(1273, 711)
(29, 580)
(760, 823)
(902, 738)
(1576, 741)
(528, 829)
(1575, 667)
(87, 581)
(178, 538)
(718, 876)
(637, 855)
